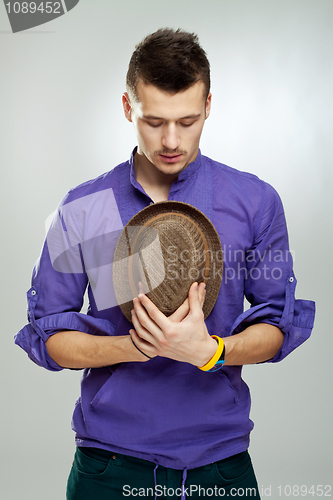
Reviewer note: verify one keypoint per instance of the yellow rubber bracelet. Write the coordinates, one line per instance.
(216, 356)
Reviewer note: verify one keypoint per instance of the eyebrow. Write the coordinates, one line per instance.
(190, 117)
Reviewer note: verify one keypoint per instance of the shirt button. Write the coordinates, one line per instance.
(33, 292)
(291, 279)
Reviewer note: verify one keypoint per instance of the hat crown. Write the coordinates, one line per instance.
(162, 250)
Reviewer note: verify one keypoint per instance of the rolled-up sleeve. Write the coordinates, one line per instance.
(56, 297)
(33, 336)
(270, 282)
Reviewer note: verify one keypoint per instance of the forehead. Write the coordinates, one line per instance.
(158, 103)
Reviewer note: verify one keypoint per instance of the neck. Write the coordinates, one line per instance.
(155, 183)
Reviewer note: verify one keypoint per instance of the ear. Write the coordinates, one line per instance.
(127, 106)
(208, 104)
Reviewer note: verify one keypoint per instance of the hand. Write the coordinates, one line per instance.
(183, 336)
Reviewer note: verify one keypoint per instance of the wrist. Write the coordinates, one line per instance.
(207, 352)
(229, 343)
(134, 352)
(217, 361)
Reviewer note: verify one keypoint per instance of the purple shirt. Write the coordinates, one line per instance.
(162, 410)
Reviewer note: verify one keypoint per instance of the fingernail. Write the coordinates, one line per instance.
(132, 312)
(140, 296)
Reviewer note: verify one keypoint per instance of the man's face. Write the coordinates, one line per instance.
(168, 126)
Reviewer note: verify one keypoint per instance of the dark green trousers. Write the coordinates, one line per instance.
(101, 475)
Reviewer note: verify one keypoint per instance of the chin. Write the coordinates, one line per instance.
(175, 170)
(171, 168)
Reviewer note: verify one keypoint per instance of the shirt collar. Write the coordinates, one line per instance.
(134, 182)
(191, 169)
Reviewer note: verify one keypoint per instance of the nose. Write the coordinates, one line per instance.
(170, 139)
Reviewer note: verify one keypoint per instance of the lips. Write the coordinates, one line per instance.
(170, 158)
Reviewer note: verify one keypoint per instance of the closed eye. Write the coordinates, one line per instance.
(154, 125)
(186, 124)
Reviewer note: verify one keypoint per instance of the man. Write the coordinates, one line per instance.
(149, 421)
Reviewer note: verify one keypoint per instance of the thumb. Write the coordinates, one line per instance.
(202, 294)
(181, 312)
(196, 296)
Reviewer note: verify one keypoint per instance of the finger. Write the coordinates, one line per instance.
(141, 288)
(181, 312)
(184, 309)
(146, 327)
(141, 331)
(145, 347)
(156, 316)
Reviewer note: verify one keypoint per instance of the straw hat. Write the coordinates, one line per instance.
(161, 251)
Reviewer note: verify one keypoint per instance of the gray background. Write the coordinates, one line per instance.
(61, 123)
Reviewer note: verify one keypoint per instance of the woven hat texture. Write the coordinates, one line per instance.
(162, 250)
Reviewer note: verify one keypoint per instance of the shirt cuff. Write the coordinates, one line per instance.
(296, 322)
(32, 337)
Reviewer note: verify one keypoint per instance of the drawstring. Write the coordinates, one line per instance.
(155, 481)
(183, 483)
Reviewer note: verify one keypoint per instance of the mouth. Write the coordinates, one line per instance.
(170, 158)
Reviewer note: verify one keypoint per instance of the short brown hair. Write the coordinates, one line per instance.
(172, 60)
